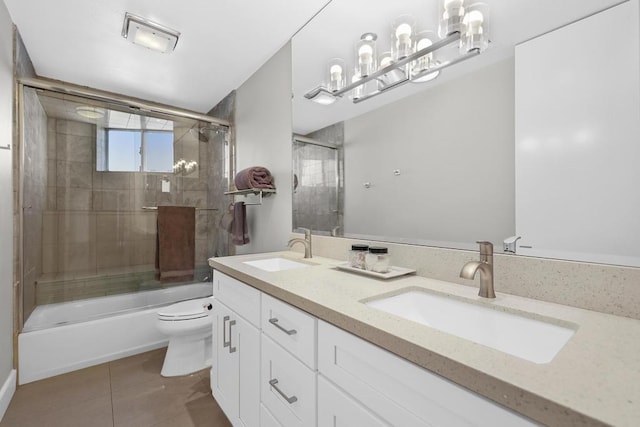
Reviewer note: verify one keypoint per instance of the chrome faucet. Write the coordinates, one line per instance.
(306, 242)
(485, 266)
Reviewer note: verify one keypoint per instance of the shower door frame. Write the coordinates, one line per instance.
(60, 87)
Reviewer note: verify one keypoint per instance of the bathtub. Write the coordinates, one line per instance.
(64, 337)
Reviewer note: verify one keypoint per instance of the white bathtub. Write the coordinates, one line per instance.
(64, 337)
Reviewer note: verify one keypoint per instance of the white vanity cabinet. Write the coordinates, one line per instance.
(277, 366)
(235, 370)
(392, 391)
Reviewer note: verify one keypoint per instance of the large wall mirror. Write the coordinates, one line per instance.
(430, 163)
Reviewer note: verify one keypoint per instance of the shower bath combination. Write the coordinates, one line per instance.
(90, 171)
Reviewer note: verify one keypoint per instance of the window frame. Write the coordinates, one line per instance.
(143, 144)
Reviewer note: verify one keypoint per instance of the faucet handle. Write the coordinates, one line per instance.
(509, 244)
(486, 248)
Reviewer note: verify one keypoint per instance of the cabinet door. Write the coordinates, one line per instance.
(246, 339)
(235, 374)
(225, 364)
(336, 409)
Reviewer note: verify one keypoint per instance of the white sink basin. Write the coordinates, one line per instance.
(534, 340)
(276, 264)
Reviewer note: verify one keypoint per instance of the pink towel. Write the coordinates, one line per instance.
(254, 177)
(239, 229)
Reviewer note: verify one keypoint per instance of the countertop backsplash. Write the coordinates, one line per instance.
(599, 287)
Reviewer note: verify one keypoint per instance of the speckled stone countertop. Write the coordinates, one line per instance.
(593, 380)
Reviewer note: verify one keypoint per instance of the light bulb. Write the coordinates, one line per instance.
(474, 19)
(423, 43)
(401, 36)
(386, 61)
(403, 31)
(336, 72)
(365, 54)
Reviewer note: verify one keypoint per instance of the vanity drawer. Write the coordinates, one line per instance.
(288, 387)
(239, 297)
(293, 329)
(400, 392)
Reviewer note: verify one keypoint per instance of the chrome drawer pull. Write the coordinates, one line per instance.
(225, 343)
(232, 349)
(290, 400)
(274, 322)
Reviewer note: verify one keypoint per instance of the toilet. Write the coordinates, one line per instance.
(189, 326)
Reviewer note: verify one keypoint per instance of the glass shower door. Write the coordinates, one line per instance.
(316, 188)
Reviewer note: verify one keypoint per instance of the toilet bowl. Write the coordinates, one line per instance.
(189, 326)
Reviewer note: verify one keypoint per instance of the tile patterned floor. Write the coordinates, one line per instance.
(122, 393)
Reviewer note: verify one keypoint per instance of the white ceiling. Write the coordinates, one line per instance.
(335, 30)
(222, 43)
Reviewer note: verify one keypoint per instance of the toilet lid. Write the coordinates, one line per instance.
(185, 310)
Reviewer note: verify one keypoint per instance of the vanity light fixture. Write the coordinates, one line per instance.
(143, 32)
(90, 112)
(412, 56)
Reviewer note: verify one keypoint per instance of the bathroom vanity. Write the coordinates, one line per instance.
(298, 345)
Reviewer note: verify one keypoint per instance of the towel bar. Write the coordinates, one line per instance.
(260, 192)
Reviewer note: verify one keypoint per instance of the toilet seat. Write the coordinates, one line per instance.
(186, 310)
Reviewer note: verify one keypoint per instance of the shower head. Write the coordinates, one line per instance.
(202, 133)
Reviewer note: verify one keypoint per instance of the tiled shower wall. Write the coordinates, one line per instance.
(95, 225)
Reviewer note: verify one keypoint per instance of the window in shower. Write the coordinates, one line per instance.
(139, 150)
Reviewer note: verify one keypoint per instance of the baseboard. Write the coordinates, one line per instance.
(6, 392)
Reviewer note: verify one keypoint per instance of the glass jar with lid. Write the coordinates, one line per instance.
(377, 260)
(357, 255)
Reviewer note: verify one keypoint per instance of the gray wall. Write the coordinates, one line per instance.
(6, 195)
(454, 147)
(263, 138)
